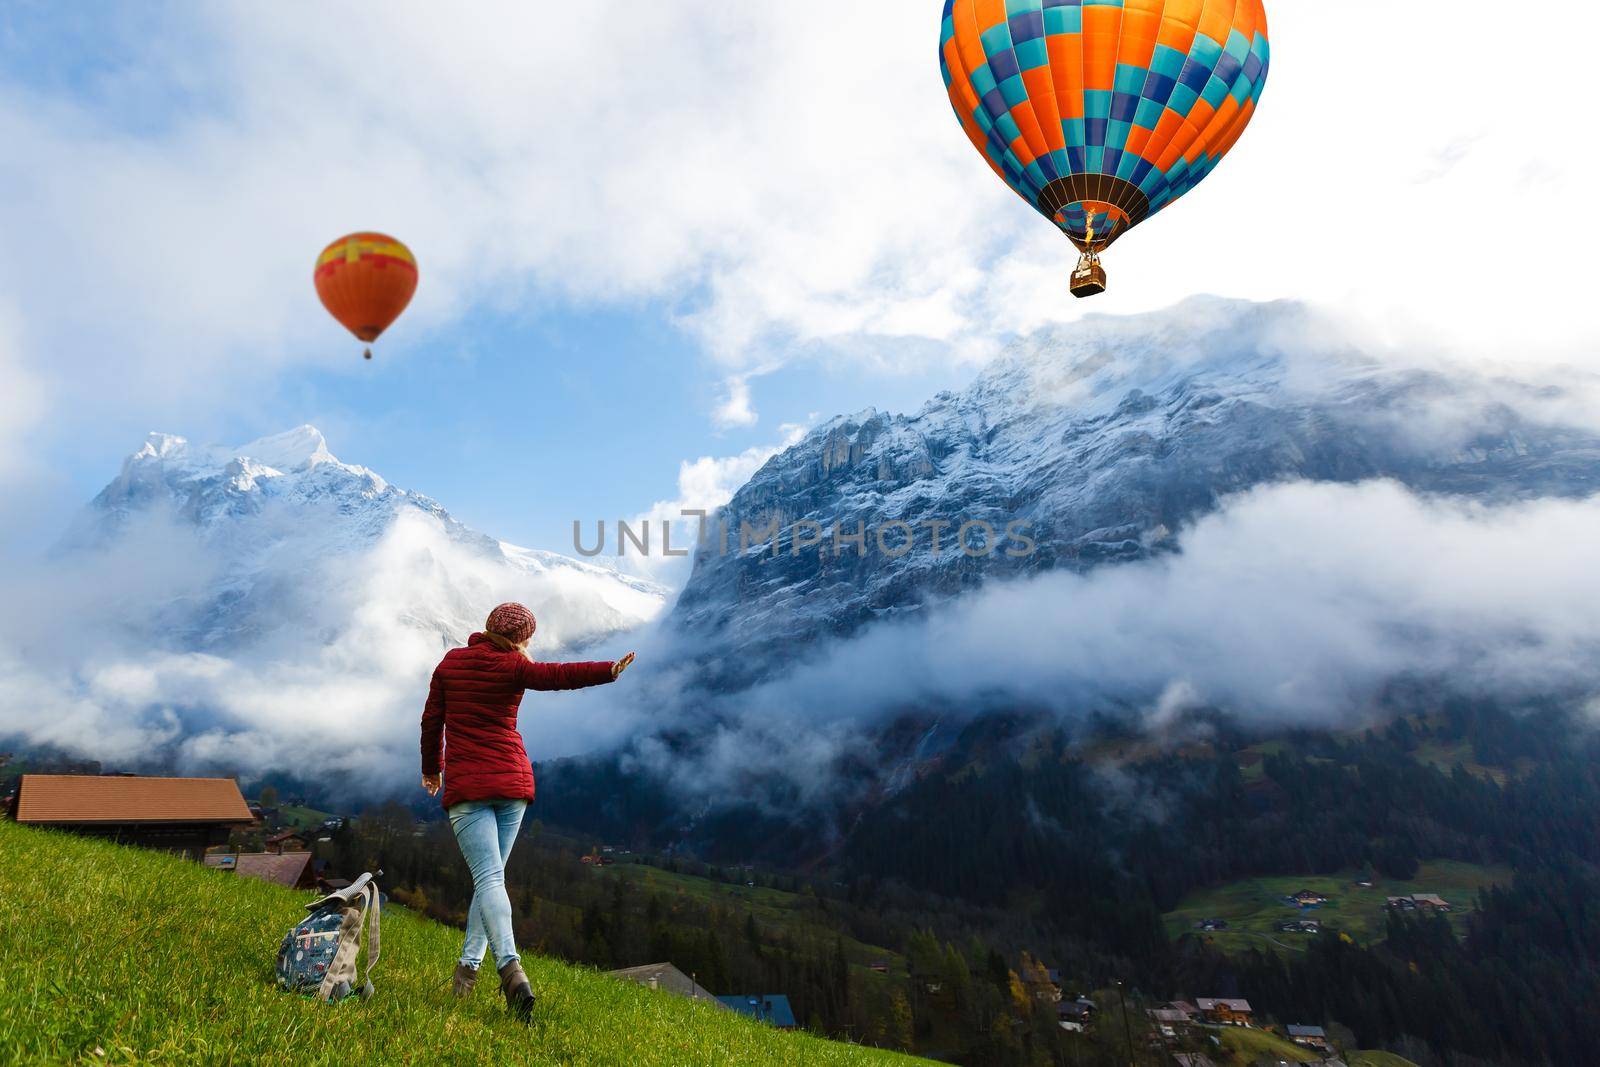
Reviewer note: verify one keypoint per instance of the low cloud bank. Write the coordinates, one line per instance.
(153, 653)
(1293, 604)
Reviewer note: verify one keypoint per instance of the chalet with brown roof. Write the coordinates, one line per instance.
(185, 815)
(289, 841)
(291, 869)
(1225, 1011)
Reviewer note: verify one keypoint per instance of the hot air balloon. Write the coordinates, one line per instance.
(1100, 113)
(365, 281)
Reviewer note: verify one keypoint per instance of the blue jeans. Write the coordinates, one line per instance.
(486, 830)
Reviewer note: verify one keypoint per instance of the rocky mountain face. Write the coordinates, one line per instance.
(1104, 439)
(289, 538)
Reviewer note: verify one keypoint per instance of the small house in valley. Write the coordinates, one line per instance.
(289, 841)
(1420, 902)
(1075, 1013)
(1308, 898)
(290, 869)
(1309, 1036)
(183, 815)
(1189, 1010)
(668, 979)
(1169, 1022)
(1225, 1011)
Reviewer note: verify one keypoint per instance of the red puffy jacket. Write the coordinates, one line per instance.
(472, 708)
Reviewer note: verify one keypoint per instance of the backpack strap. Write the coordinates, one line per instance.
(340, 975)
(374, 913)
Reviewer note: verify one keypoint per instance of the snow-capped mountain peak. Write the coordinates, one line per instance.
(1106, 439)
(290, 528)
(299, 449)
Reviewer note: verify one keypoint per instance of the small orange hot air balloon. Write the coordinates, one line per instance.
(365, 281)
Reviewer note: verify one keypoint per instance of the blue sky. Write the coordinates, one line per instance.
(523, 424)
(659, 240)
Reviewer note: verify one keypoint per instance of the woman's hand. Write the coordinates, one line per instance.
(621, 665)
(430, 782)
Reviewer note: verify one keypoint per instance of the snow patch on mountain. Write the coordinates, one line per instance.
(1107, 439)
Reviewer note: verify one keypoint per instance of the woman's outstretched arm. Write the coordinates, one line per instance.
(552, 676)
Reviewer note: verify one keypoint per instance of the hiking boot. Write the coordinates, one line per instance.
(466, 978)
(518, 993)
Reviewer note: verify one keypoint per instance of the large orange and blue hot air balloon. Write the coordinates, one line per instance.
(1100, 113)
(365, 280)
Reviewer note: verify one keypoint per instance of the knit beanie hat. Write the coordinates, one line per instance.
(512, 621)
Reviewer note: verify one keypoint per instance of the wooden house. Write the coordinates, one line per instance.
(1169, 1022)
(291, 869)
(1075, 1013)
(183, 815)
(1309, 1036)
(1225, 1011)
(1420, 902)
(290, 841)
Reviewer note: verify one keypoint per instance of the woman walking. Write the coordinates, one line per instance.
(470, 739)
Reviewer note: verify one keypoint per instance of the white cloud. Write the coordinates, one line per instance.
(735, 409)
(322, 667)
(1294, 603)
(22, 398)
(788, 176)
(704, 485)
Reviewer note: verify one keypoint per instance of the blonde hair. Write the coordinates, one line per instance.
(504, 643)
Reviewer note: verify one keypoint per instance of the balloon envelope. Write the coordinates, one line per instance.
(365, 280)
(1101, 113)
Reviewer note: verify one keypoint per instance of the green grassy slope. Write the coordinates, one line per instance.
(1240, 1046)
(1254, 908)
(1379, 1059)
(116, 955)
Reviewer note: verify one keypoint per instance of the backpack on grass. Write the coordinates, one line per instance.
(319, 955)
